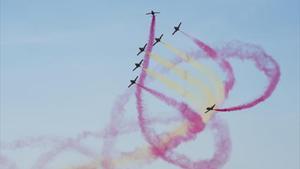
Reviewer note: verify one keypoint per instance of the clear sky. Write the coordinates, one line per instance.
(63, 63)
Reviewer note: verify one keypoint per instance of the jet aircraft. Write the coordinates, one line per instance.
(152, 13)
(133, 81)
(176, 28)
(142, 49)
(210, 108)
(137, 65)
(158, 39)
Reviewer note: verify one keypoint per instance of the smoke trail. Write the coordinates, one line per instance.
(208, 99)
(142, 78)
(183, 74)
(5, 163)
(223, 144)
(173, 85)
(222, 140)
(195, 124)
(219, 158)
(210, 51)
(160, 148)
(113, 129)
(45, 158)
(229, 82)
(163, 145)
(263, 62)
(138, 91)
(148, 133)
(200, 67)
(30, 142)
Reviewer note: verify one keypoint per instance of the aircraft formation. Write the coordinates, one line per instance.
(157, 40)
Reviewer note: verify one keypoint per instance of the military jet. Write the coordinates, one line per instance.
(133, 81)
(152, 13)
(142, 49)
(137, 65)
(158, 39)
(176, 28)
(210, 108)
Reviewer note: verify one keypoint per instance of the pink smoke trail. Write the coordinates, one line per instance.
(210, 51)
(30, 142)
(113, 129)
(220, 157)
(186, 111)
(5, 163)
(223, 143)
(196, 123)
(148, 133)
(165, 151)
(138, 92)
(225, 65)
(47, 157)
(263, 62)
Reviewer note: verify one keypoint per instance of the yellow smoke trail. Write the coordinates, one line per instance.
(213, 77)
(143, 153)
(173, 85)
(125, 160)
(138, 156)
(184, 75)
(209, 99)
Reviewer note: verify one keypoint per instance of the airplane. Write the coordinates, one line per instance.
(158, 39)
(133, 81)
(142, 49)
(176, 28)
(137, 65)
(152, 13)
(210, 108)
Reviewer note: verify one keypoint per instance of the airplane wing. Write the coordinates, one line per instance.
(141, 62)
(155, 43)
(130, 85)
(161, 36)
(135, 68)
(148, 13)
(179, 25)
(206, 111)
(136, 78)
(174, 32)
(139, 53)
(212, 107)
(145, 46)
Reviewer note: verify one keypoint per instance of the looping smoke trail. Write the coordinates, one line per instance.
(263, 62)
(192, 80)
(202, 69)
(229, 82)
(191, 122)
(163, 147)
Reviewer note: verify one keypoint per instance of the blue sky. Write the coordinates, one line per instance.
(64, 62)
